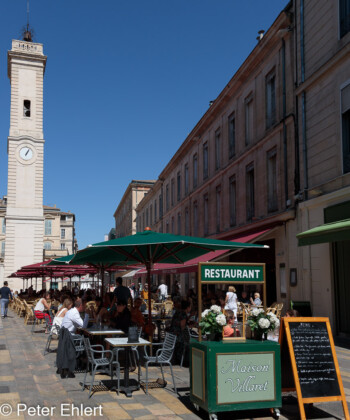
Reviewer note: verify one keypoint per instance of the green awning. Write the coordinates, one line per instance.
(329, 232)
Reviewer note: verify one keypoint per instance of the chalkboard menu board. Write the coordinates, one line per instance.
(314, 359)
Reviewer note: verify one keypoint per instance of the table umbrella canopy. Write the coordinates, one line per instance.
(148, 248)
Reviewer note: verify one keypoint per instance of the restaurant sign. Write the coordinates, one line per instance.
(232, 273)
(245, 377)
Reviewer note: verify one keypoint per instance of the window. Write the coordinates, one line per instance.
(179, 223)
(172, 225)
(205, 161)
(344, 17)
(270, 99)
(178, 186)
(3, 249)
(155, 211)
(63, 246)
(172, 192)
(151, 215)
(250, 204)
(195, 171)
(26, 108)
(232, 200)
(186, 179)
(217, 150)
(48, 227)
(195, 218)
(167, 226)
(271, 181)
(231, 136)
(160, 205)
(187, 222)
(47, 245)
(3, 226)
(248, 119)
(63, 233)
(167, 197)
(206, 215)
(345, 109)
(218, 208)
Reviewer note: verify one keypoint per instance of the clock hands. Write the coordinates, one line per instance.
(27, 152)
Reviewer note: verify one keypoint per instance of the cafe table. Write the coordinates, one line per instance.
(123, 343)
(97, 331)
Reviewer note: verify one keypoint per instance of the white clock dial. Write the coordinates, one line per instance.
(26, 153)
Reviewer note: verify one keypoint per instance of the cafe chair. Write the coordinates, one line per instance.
(107, 359)
(163, 357)
(54, 329)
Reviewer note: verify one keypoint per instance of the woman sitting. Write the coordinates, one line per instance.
(257, 301)
(122, 320)
(57, 321)
(136, 315)
(41, 306)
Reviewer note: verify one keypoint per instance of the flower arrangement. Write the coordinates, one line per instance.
(213, 320)
(262, 322)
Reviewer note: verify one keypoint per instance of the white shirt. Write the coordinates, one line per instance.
(231, 301)
(72, 320)
(39, 306)
(163, 289)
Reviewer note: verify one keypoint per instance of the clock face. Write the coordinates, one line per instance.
(26, 153)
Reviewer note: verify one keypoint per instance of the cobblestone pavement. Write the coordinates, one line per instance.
(27, 377)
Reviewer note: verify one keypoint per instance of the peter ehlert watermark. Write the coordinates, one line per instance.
(64, 410)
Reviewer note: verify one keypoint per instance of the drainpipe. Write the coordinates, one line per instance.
(305, 163)
(302, 58)
(285, 152)
(303, 100)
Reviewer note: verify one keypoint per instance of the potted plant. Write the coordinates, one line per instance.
(261, 323)
(212, 322)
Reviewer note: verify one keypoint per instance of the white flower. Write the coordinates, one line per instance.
(277, 323)
(261, 310)
(205, 313)
(221, 319)
(255, 312)
(216, 309)
(264, 323)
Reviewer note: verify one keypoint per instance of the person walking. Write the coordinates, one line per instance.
(5, 296)
(231, 300)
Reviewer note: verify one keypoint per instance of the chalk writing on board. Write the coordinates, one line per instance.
(314, 359)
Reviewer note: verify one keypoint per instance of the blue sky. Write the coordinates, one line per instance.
(125, 82)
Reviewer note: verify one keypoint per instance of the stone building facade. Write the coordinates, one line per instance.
(125, 214)
(230, 177)
(271, 157)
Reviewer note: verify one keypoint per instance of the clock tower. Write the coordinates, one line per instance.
(25, 148)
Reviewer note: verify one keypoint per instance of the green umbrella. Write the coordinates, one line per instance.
(148, 248)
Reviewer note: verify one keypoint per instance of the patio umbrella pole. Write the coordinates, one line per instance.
(150, 327)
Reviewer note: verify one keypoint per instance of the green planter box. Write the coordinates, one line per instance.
(227, 376)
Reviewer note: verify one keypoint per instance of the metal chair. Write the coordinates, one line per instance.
(163, 357)
(54, 329)
(102, 362)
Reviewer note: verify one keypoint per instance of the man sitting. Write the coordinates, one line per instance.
(122, 320)
(72, 319)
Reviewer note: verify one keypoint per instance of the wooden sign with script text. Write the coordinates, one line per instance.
(314, 362)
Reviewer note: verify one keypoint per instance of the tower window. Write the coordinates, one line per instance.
(26, 108)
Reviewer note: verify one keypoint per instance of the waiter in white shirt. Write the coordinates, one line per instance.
(72, 319)
(163, 291)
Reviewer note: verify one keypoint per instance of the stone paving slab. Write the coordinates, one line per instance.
(29, 377)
